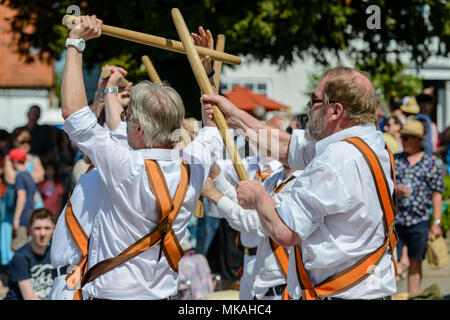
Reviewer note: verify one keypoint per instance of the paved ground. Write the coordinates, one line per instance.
(439, 277)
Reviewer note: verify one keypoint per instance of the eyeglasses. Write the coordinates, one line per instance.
(24, 141)
(315, 99)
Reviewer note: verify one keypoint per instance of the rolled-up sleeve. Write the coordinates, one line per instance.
(301, 151)
(319, 192)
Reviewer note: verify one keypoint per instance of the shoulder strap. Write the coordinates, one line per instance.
(359, 271)
(163, 233)
(81, 241)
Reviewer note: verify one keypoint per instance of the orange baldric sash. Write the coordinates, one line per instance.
(279, 252)
(163, 234)
(81, 241)
(359, 271)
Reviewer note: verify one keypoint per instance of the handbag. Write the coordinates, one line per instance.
(437, 253)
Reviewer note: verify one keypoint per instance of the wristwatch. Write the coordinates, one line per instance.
(437, 222)
(79, 44)
(110, 90)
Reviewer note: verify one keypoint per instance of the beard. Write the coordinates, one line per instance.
(315, 128)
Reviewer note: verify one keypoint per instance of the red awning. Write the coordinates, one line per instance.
(246, 99)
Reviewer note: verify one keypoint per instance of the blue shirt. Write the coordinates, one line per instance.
(424, 178)
(28, 265)
(24, 181)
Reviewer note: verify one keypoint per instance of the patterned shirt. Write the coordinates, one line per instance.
(424, 178)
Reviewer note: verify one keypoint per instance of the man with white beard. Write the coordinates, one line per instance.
(340, 215)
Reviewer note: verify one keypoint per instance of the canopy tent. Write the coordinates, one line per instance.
(247, 100)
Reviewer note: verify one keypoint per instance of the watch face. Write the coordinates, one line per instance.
(81, 45)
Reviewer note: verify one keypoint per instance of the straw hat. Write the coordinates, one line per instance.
(413, 128)
(410, 105)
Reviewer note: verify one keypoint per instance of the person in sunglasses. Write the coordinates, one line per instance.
(419, 186)
(333, 217)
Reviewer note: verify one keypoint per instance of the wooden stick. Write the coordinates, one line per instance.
(154, 41)
(206, 87)
(151, 71)
(106, 73)
(220, 46)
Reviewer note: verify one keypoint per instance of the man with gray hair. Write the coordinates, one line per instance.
(134, 246)
(340, 215)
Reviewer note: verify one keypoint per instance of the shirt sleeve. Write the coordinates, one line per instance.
(318, 193)
(201, 153)
(20, 268)
(241, 219)
(434, 177)
(225, 187)
(114, 162)
(20, 182)
(301, 151)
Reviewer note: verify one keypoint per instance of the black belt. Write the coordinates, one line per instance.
(250, 251)
(59, 271)
(275, 291)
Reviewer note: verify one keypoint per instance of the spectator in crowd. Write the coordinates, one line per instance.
(419, 187)
(33, 163)
(51, 189)
(41, 137)
(25, 198)
(394, 105)
(426, 104)
(410, 108)
(30, 277)
(391, 134)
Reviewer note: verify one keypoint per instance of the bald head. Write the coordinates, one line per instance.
(354, 90)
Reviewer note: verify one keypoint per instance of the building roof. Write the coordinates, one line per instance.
(14, 71)
(246, 99)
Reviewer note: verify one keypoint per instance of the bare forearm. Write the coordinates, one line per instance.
(73, 94)
(113, 108)
(10, 173)
(437, 205)
(272, 223)
(20, 204)
(270, 141)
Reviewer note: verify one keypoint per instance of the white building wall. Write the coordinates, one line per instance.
(289, 86)
(14, 105)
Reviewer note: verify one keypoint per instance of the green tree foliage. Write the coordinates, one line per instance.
(279, 30)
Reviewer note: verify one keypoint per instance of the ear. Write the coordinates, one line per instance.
(139, 129)
(337, 111)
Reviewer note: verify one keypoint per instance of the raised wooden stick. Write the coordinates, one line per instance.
(106, 73)
(154, 41)
(206, 87)
(151, 71)
(220, 46)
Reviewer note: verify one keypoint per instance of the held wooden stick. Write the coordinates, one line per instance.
(154, 41)
(151, 71)
(206, 87)
(106, 73)
(220, 46)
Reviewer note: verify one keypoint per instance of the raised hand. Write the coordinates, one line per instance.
(89, 28)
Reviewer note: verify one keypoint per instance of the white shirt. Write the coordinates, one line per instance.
(335, 210)
(85, 199)
(129, 211)
(252, 165)
(266, 271)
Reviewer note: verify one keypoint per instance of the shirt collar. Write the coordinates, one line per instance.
(355, 131)
(160, 154)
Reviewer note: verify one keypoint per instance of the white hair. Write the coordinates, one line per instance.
(160, 111)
